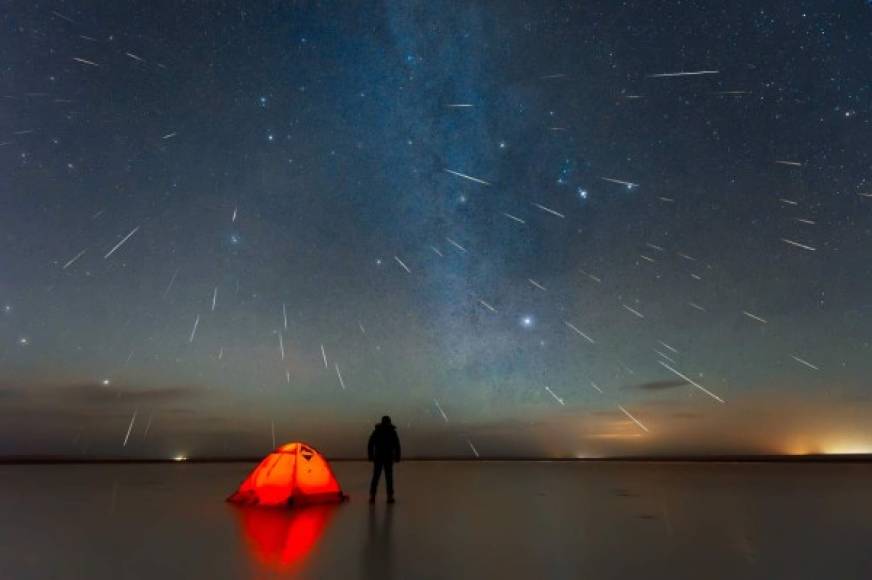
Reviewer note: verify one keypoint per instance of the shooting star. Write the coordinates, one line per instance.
(486, 305)
(549, 210)
(633, 419)
(578, 332)
(798, 245)
(459, 105)
(281, 346)
(62, 17)
(627, 184)
(804, 362)
(119, 244)
(594, 385)
(194, 330)
(515, 218)
(130, 428)
(634, 311)
(666, 199)
(134, 57)
(233, 219)
(668, 347)
(85, 61)
(696, 306)
(647, 258)
(285, 316)
(591, 276)
(691, 381)
(474, 450)
(664, 355)
(214, 298)
(537, 284)
(441, 412)
(754, 317)
(339, 374)
(469, 177)
(455, 244)
(683, 74)
(556, 398)
(324, 356)
(791, 163)
(436, 251)
(170, 285)
(402, 264)
(655, 247)
(685, 256)
(788, 201)
(554, 76)
(169, 136)
(805, 221)
(73, 260)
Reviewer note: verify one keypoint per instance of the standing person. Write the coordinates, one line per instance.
(383, 451)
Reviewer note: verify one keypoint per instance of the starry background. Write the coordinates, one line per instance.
(498, 223)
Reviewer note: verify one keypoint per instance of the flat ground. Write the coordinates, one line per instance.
(453, 520)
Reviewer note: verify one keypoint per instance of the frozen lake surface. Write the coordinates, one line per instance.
(452, 520)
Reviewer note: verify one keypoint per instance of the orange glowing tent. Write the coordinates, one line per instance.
(295, 473)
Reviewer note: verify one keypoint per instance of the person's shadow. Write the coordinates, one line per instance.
(378, 549)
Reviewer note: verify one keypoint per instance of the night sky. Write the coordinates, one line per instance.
(520, 228)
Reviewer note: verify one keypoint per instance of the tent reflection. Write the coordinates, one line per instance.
(283, 539)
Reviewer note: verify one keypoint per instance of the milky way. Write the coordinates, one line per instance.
(519, 228)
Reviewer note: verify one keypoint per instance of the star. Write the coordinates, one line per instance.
(527, 321)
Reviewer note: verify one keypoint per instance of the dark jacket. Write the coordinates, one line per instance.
(384, 444)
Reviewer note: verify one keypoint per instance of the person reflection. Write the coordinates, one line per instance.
(378, 550)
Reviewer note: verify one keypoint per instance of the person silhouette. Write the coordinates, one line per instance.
(383, 450)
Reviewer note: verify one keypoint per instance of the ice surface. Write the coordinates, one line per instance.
(452, 520)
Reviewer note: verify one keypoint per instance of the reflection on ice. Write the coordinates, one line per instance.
(282, 538)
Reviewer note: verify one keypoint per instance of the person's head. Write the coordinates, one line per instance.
(386, 420)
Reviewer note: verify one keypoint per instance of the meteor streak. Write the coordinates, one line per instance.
(633, 419)
(683, 74)
(578, 332)
(549, 210)
(556, 398)
(691, 381)
(469, 177)
(119, 244)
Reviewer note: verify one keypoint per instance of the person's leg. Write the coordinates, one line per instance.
(389, 479)
(376, 474)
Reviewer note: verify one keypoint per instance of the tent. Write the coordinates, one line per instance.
(294, 473)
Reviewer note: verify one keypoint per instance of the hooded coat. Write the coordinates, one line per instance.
(384, 444)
